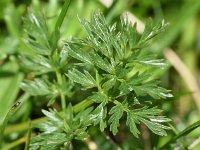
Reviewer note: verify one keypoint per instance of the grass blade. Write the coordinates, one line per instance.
(181, 134)
(62, 14)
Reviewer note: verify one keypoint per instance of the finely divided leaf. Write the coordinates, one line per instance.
(156, 128)
(51, 115)
(152, 30)
(109, 84)
(85, 79)
(36, 87)
(37, 33)
(119, 46)
(116, 113)
(143, 85)
(99, 34)
(38, 64)
(98, 97)
(131, 123)
(156, 62)
(150, 117)
(129, 34)
(61, 128)
(101, 63)
(78, 53)
(99, 115)
(55, 141)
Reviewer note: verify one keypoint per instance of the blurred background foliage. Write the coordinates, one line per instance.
(182, 35)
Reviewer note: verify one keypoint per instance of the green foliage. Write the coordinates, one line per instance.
(116, 113)
(37, 31)
(36, 87)
(111, 55)
(47, 58)
(99, 116)
(141, 85)
(85, 79)
(149, 117)
(59, 130)
(112, 68)
(112, 64)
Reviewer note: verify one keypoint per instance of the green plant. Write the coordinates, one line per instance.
(19, 61)
(112, 66)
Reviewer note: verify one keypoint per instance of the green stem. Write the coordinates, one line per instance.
(173, 128)
(82, 105)
(57, 27)
(62, 14)
(28, 137)
(24, 126)
(15, 143)
(62, 95)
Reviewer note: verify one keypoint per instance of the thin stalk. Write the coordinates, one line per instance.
(62, 95)
(24, 126)
(28, 137)
(173, 128)
(57, 27)
(15, 143)
(62, 14)
(82, 105)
